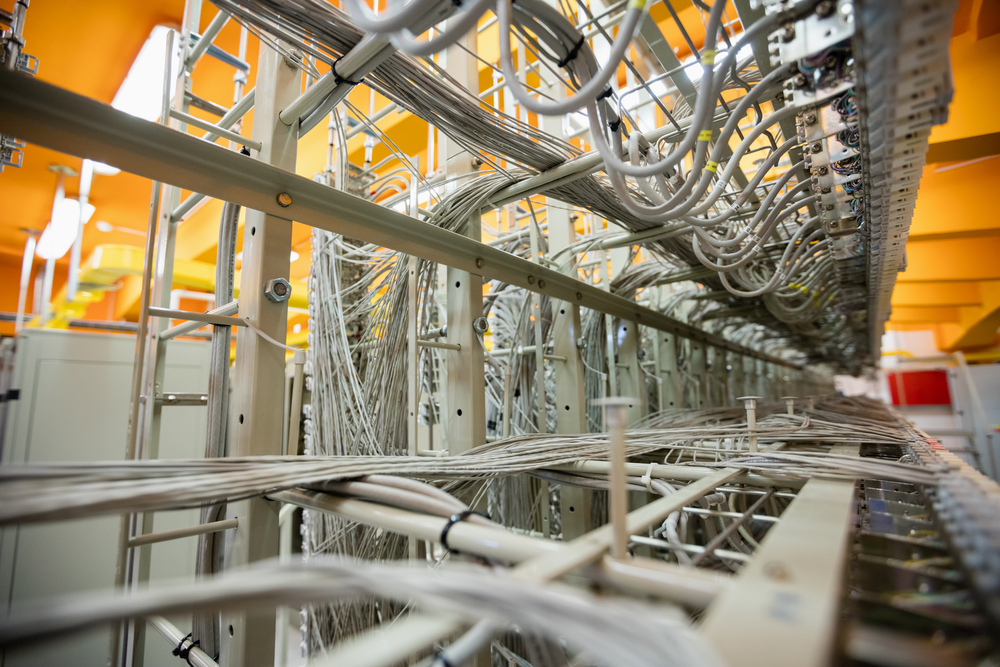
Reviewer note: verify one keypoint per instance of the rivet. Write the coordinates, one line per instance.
(284, 199)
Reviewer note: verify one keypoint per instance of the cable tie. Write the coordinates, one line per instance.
(647, 479)
(339, 79)
(455, 518)
(705, 135)
(614, 125)
(607, 93)
(708, 57)
(183, 651)
(711, 166)
(441, 659)
(573, 53)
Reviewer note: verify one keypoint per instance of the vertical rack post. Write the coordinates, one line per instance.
(258, 375)
(466, 386)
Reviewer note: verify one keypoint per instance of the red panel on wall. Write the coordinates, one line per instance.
(919, 388)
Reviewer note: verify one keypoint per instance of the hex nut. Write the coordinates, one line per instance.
(277, 290)
(480, 325)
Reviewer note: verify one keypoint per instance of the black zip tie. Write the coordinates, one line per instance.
(607, 93)
(574, 52)
(442, 659)
(615, 125)
(339, 79)
(184, 652)
(455, 518)
(457, 3)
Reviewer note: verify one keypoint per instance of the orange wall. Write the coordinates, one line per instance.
(10, 278)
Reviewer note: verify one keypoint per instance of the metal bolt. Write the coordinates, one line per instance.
(776, 571)
(277, 290)
(541, 284)
(581, 343)
(788, 32)
(480, 325)
(750, 403)
(579, 296)
(826, 8)
(284, 199)
(809, 118)
(823, 171)
(825, 190)
(480, 262)
(531, 280)
(789, 403)
(816, 147)
(798, 81)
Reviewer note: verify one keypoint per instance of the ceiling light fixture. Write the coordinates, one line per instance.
(141, 92)
(61, 231)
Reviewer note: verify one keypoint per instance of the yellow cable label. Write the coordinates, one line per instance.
(637, 4)
(705, 135)
(711, 166)
(708, 57)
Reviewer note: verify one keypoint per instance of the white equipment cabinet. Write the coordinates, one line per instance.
(73, 406)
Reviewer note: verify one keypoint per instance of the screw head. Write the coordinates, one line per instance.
(788, 32)
(480, 262)
(284, 199)
(531, 280)
(809, 118)
(277, 290)
(816, 147)
(823, 171)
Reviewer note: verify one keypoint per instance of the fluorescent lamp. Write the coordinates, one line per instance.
(102, 169)
(142, 90)
(104, 226)
(61, 231)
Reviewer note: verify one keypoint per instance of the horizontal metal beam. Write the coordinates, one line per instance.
(64, 121)
(189, 316)
(214, 129)
(190, 531)
(182, 398)
(230, 308)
